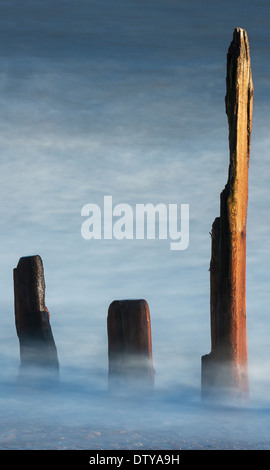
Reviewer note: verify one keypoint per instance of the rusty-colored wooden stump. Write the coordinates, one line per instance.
(226, 367)
(130, 343)
(37, 347)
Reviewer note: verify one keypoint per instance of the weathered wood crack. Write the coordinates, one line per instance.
(37, 347)
(226, 367)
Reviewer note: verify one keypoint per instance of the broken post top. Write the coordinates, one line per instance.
(239, 90)
(30, 281)
(239, 108)
(125, 304)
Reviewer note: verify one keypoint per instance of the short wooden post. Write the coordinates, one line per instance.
(226, 367)
(130, 343)
(37, 347)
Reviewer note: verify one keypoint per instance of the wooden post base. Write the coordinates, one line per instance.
(129, 343)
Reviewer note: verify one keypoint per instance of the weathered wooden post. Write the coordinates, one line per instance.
(226, 367)
(130, 343)
(37, 347)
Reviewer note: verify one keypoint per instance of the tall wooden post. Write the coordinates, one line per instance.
(37, 347)
(226, 367)
(130, 343)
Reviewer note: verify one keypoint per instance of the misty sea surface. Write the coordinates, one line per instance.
(125, 98)
(80, 413)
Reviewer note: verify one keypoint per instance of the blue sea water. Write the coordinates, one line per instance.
(126, 98)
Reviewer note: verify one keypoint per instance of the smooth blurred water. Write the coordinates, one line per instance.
(126, 98)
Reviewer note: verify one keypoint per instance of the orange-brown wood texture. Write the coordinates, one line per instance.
(228, 359)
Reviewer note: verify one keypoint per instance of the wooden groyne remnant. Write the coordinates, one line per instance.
(130, 343)
(226, 367)
(37, 347)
